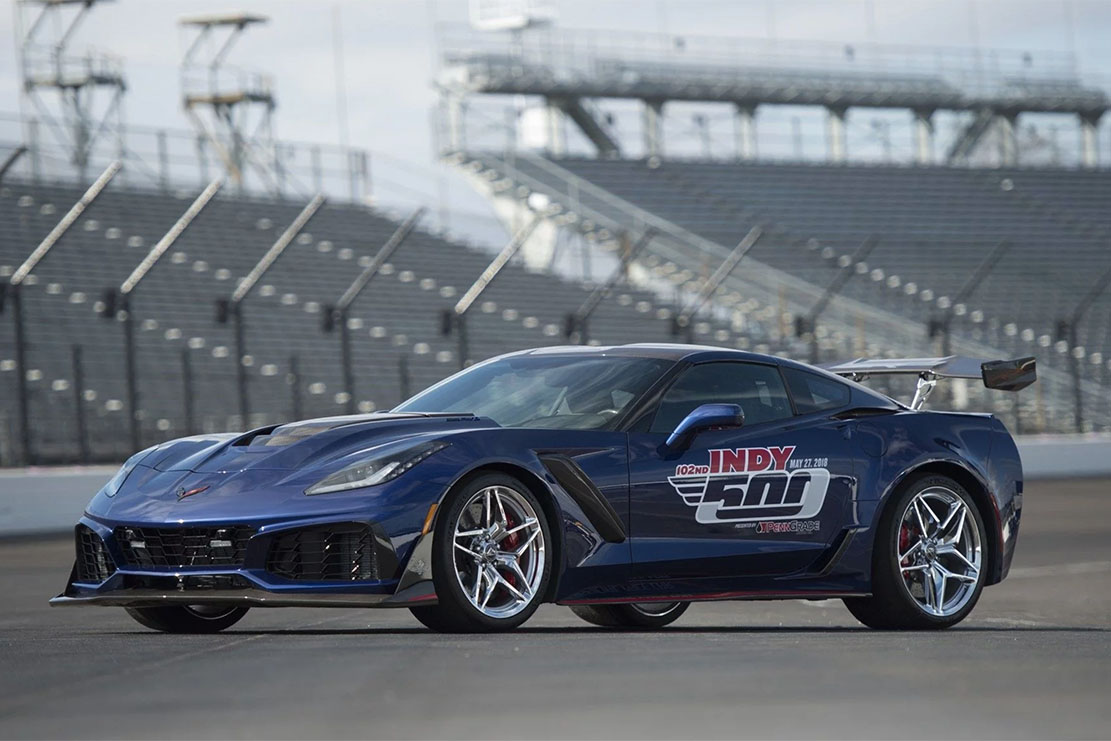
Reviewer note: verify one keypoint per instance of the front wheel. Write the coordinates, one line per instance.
(491, 559)
(633, 615)
(188, 618)
(929, 562)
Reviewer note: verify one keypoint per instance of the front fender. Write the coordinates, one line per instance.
(586, 553)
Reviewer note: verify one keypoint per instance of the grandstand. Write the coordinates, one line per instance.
(974, 252)
(294, 367)
(971, 253)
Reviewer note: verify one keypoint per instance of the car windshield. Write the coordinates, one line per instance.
(559, 392)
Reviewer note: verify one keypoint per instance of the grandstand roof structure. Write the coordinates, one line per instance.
(567, 67)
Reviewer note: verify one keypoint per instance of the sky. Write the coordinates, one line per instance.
(389, 55)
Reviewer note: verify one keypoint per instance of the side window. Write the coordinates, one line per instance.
(757, 388)
(814, 393)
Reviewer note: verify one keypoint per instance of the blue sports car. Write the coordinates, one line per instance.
(625, 482)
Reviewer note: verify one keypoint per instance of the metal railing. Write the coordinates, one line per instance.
(573, 53)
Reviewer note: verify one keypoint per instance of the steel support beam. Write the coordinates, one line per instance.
(233, 308)
(836, 147)
(683, 321)
(1070, 328)
(11, 159)
(745, 123)
(82, 429)
(808, 325)
(14, 292)
(15, 296)
(1008, 139)
(923, 137)
(605, 144)
(961, 149)
(1089, 141)
(121, 300)
(455, 320)
(187, 391)
(652, 117)
(338, 315)
(978, 276)
(578, 322)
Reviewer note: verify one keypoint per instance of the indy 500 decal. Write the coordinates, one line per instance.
(753, 485)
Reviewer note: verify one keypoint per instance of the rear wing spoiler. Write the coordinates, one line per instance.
(1003, 375)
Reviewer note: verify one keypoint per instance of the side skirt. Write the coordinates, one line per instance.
(717, 597)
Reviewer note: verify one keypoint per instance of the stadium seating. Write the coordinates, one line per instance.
(933, 227)
(396, 321)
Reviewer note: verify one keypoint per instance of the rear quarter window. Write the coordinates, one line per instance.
(815, 393)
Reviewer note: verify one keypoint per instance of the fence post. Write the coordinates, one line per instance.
(403, 377)
(33, 146)
(163, 161)
(294, 381)
(134, 432)
(187, 390)
(317, 172)
(16, 298)
(202, 159)
(79, 405)
(241, 369)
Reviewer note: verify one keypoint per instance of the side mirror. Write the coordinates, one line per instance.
(704, 418)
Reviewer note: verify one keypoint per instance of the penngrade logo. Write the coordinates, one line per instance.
(752, 485)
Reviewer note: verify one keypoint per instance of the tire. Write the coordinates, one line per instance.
(634, 616)
(896, 603)
(187, 618)
(486, 550)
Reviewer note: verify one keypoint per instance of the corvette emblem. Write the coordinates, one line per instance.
(182, 492)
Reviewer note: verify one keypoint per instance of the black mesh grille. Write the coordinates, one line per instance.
(93, 562)
(186, 546)
(343, 552)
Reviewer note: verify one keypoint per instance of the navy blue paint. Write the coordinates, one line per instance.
(667, 552)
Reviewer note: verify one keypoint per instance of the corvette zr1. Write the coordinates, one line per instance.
(624, 482)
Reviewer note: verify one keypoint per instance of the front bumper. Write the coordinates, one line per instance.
(108, 573)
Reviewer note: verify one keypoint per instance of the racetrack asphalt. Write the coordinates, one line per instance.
(1033, 661)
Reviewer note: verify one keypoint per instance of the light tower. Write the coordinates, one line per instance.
(77, 96)
(231, 108)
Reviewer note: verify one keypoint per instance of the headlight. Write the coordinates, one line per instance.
(376, 470)
(116, 481)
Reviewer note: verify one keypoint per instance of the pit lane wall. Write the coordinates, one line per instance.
(49, 500)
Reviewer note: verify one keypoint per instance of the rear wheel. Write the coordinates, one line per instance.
(188, 618)
(491, 561)
(633, 615)
(929, 562)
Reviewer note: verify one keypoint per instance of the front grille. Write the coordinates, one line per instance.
(186, 582)
(342, 552)
(183, 546)
(94, 564)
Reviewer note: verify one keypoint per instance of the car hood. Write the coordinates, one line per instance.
(298, 445)
(236, 477)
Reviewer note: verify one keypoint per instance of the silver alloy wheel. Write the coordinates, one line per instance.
(938, 551)
(498, 551)
(655, 609)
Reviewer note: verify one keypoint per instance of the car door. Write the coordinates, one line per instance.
(766, 498)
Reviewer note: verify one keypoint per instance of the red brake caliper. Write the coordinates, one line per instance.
(905, 535)
(510, 543)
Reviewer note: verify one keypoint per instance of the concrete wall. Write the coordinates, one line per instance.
(40, 500)
(47, 499)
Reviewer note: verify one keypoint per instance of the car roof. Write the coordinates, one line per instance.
(662, 350)
(702, 353)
